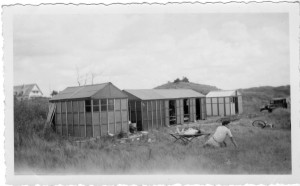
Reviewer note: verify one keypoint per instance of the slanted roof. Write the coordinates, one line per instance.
(155, 94)
(25, 89)
(98, 91)
(223, 93)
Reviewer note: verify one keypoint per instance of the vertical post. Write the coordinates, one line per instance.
(135, 112)
(115, 116)
(230, 105)
(152, 114)
(107, 116)
(127, 115)
(100, 117)
(84, 117)
(156, 120)
(67, 119)
(161, 113)
(211, 103)
(218, 106)
(61, 120)
(142, 115)
(92, 111)
(72, 118)
(78, 124)
(121, 114)
(224, 106)
(147, 115)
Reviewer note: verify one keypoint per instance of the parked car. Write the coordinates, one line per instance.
(275, 103)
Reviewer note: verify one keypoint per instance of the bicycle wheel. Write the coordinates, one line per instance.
(259, 123)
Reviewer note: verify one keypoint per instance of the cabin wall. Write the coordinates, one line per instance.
(91, 118)
(223, 106)
(154, 114)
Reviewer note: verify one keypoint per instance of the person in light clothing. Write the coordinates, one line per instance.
(218, 138)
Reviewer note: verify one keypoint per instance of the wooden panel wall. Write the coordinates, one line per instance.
(86, 119)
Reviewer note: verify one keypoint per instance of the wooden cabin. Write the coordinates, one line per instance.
(156, 108)
(224, 103)
(89, 111)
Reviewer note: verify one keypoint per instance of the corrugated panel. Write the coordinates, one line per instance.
(223, 93)
(156, 94)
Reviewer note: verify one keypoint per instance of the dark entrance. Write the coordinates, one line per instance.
(186, 110)
(172, 112)
(198, 109)
(235, 101)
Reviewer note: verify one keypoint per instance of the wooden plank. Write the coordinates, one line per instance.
(135, 112)
(92, 110)
(147, 115)
(121, 114)
(224, 106)
(156, 119)
(115, 115)
(84, 118)
(61, 120)
(142, 116)
(211, 107)
(66, 103)
(107, 116)
(167, 114)
(79, 128)
(152, 115)
(218, 107)
(100, 117)
(72, 118)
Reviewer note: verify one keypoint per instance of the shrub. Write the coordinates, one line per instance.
(29, 120)
(281, 118)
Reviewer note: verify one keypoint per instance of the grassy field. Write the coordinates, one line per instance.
(261, 151)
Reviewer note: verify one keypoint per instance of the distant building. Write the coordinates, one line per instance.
(224, 103)
(23, 92)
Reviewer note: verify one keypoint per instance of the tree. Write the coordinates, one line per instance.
(185, 79)
(177, 80)
(53, 93)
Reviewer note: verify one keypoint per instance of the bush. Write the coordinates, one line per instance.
(29, 120)
(281, 118)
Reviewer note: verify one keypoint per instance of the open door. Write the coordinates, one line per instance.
(172, 112)
(51, 113)
(186, 110)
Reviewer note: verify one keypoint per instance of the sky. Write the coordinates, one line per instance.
(141, 51)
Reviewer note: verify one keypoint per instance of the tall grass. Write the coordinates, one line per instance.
(40, 151)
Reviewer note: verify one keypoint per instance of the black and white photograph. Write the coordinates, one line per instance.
(159, 90)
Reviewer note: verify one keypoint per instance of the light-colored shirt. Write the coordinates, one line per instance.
(221, 133)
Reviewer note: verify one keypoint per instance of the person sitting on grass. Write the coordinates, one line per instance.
(218, 138)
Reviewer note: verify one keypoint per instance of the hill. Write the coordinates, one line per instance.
(203, 89)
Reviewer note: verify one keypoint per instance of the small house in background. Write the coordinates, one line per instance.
(89, 111)
(156, 108)
(28, 91)
(224, 103)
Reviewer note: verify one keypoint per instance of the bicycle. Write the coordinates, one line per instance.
(262, 124)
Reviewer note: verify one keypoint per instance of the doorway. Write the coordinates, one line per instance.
(186, 110)
(198, 109)
(172, 112)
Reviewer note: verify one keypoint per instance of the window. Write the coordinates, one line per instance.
(110, 105)
(103, 104)
(87, 105)
(95, 105)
